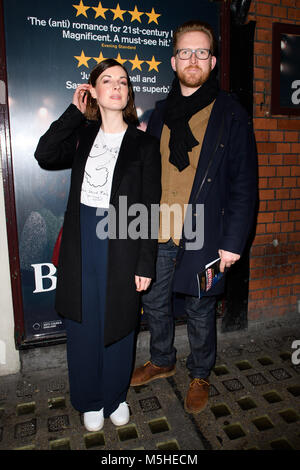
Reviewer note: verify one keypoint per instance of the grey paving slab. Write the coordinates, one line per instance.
(254, 403)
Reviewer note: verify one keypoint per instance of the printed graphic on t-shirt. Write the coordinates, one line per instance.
(99, 169)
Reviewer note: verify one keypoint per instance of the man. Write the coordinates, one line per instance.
(209, 159)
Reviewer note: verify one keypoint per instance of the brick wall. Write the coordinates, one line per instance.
(275, 255)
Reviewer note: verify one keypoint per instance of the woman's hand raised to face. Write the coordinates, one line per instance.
(80, 96)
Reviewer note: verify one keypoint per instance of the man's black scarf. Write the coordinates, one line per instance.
(179, 109)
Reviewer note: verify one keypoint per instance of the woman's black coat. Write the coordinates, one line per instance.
(137, 176)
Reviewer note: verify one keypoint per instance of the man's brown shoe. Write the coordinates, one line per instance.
(148, 372)
(197, 396)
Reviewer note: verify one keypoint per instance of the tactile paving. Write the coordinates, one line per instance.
(254, 403)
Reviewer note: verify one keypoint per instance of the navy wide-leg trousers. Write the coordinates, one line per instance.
(99, 376)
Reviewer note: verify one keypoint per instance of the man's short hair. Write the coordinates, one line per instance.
(195, 25)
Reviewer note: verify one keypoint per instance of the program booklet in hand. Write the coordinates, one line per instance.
(209, 276)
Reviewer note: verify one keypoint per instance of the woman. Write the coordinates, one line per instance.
(114, 165)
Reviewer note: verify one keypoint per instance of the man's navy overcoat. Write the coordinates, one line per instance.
(225, 183)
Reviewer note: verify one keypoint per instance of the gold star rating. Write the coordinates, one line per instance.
(135, 14)
(136, 63)
(100, 58)
(153, 64)
(82, 59)
(100, 11)
(153, 16)
(120, 60)
(81, 9)
(118, 13)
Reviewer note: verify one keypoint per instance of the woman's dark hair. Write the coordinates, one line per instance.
(92, 108)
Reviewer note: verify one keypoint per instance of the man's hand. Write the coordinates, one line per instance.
(227, 259)
(142, 283)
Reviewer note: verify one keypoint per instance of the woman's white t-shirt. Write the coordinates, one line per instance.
(99, 170)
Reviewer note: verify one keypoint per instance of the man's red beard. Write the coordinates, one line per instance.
(192, 80)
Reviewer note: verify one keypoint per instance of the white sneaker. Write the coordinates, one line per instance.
(93, 420)
(121, 415)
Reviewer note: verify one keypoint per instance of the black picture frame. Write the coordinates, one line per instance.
(285, 69)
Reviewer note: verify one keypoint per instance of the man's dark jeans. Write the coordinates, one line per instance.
(201, 323)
